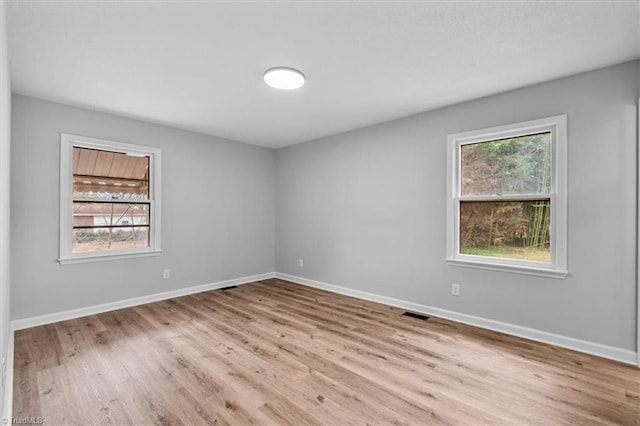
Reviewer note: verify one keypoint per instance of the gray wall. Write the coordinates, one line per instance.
(217, 211)
(5, 139)
(366, 210)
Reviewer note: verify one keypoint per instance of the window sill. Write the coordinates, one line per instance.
(104, 256)
(515, 269)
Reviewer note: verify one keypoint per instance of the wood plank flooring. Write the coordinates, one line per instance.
(274, 352)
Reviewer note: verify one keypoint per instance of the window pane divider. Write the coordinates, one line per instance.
(110, 226)
(110, 201)
(479, 198)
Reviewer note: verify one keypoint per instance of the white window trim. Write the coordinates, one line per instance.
(67, 142)
(557, 267)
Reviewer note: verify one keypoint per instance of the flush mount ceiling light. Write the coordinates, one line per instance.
(284, 78)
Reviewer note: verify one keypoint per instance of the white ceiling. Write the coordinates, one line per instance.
(198, 65)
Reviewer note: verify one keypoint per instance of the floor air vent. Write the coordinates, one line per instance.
(416, 316)
(229, 288)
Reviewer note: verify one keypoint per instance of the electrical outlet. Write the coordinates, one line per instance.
(166, 274)
(455, 289)
(301, 263)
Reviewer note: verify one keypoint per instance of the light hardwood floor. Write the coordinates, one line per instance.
(274, 352)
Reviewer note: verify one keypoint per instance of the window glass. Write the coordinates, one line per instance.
(506, 229)
(520, 165)
(109, 175)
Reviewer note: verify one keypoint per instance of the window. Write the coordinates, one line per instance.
(507, 198)
(109, 200)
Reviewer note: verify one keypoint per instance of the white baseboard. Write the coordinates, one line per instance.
(7, 404)
(604, 351)
(20, 324)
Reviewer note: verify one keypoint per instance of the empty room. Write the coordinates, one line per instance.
(319, 212)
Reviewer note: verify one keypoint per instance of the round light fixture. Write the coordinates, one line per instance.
(284, 78)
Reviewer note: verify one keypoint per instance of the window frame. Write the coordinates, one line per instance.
(557, 267)
(66, 255)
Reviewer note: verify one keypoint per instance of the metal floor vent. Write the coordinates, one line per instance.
(416, 316)
(229, 288)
